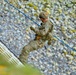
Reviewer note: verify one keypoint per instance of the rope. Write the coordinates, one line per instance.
(21, 12)
(39, 25)
(65, 44)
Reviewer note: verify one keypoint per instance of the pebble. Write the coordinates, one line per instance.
(15, 33)
(73, 73)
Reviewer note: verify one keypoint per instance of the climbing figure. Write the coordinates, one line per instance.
(43, 34)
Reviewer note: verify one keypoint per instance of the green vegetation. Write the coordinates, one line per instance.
(11, 69)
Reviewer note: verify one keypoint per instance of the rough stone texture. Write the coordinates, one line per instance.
(57, 59)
